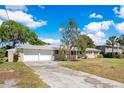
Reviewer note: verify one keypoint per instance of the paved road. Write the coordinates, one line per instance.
(59, 77)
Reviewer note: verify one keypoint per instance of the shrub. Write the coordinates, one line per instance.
(61, 55)
(108, 55)
(2, 54)
(116, 55)
(100, 56)
(119, 56)
(85, 57)
(62, 58)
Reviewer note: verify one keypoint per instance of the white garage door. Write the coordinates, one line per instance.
(30, 55)
(38, 55)
(45, 55)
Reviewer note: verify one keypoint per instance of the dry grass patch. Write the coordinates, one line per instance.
(107, 68)
(23, 74)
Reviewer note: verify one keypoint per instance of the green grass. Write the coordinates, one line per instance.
(26, 77)
(1, 81)
(104, 67)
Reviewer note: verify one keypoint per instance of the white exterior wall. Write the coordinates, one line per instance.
(92, 55)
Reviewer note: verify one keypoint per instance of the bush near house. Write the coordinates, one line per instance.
(2, 54)
(100, 56)
(115, 55)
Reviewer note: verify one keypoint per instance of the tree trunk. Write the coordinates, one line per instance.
(14, 43)
(69, 56)
(112, 51)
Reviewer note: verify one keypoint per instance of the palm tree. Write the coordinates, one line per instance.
(112, 41)
(121, 41)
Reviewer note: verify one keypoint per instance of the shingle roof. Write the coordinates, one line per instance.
(49, 47)
(92, 49)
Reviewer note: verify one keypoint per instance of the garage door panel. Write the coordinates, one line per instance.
(45, 52)
(30, 55)
(31, 52)
(30, 58)
(45, 57)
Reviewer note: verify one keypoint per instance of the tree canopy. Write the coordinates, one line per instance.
(112, 41)
(13, 32)
(121, 40)
(70, 34)
(71, 37)
(86, 42)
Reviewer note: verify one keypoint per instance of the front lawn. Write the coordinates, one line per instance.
(104, 67)
(22, 74)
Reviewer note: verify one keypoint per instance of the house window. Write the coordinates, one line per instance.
(80, 52)
(56, 52)
(73, 52)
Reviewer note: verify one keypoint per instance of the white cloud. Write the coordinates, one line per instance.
(83, 33)
(100, 34)
(95, 30)
(22, 17)
(16, 7)
(1, 21)
(119, 12)
(92, 27)
(97, 40)
(94, 15)
(61, 29)
(51, 41)
(98, 26)
(41, 6)
(120, 27)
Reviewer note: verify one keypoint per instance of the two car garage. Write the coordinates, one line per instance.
(32, 53)
(37, 55)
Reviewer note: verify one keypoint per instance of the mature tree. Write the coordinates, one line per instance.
(121, 41)
(23, 34)
(86, 42)
(70, 35)
(13, 32)
(34, 40)
(112, 41)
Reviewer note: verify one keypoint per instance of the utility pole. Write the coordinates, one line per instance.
(7, 13)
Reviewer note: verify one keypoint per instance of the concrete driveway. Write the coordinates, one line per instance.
(59, 77)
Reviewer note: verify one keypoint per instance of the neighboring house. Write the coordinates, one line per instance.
(108, 49)
(34, 53)
(92, 52)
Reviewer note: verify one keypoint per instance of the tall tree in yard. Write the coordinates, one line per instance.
(85, 42)
(13, 32)
(34, 40)
(112, 41)
(70, 35)
(121, 42)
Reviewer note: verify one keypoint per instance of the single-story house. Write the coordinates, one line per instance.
(30, 53)
(34, 53)
(92, 52)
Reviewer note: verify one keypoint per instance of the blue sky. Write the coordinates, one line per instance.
(98, 22)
